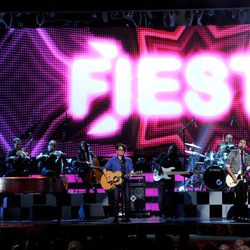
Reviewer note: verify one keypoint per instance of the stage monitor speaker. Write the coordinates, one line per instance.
(137, 196)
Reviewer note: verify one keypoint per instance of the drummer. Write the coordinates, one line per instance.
(224, 149)
(227, 145)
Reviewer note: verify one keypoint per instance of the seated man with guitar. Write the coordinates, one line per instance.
(115, 181)
(166, 184)
(237, 165)
(50, 161)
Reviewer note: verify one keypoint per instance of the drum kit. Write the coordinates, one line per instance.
(208, 171)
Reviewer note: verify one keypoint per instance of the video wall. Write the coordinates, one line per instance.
(147, 88)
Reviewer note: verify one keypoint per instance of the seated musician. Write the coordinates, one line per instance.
(227, 145)
(166, 199)
(225, 148)
(83, 165)
(50, 161)
(18, 162)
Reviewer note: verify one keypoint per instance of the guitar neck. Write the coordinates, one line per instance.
(184, 172)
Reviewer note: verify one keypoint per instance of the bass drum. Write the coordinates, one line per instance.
(214, 178)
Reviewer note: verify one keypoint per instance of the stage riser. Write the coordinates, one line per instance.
(74, 206)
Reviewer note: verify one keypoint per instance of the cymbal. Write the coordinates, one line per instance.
(194, 153)
(192, 145)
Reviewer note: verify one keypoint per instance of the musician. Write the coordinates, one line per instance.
(84, 165)
(124, 165)
(166, 187)
(18, 162)
(50, 161)
(227, 145)
(239, 160)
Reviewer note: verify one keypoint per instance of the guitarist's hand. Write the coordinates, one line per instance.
(235, 180)
(108, 179)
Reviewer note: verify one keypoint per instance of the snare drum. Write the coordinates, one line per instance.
(214, 177)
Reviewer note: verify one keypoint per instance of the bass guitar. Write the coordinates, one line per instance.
(167, 172)
(240, 175)
(116, 179)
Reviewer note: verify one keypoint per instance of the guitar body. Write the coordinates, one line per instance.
(164, 175)
(167, 172)
(229, 180)
(116, 179)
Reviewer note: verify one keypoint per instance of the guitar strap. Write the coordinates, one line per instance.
(123, 164)
(242, 161)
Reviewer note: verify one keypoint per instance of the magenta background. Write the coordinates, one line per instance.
(34, 88)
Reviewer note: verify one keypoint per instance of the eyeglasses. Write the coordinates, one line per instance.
(120, 149)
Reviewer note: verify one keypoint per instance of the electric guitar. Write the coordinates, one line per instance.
(167, 172)
(116, 179)
(229, 180)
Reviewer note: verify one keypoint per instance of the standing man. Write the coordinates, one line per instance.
(119, 168)
(236, 166)
(166, 199)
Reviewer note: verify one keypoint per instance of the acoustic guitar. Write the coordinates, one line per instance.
(116, 179)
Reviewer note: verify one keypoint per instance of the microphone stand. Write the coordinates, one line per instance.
(244, 188)
(182, 131)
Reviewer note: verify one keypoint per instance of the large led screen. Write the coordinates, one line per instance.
(144, 87)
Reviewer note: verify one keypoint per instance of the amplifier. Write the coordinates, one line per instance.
(137, 193)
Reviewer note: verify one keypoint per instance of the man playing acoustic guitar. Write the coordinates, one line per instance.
(115, 174)
(236, 166)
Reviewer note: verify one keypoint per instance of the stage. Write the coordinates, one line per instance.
(153, 225)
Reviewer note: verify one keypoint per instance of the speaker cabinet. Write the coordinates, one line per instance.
(137, 194)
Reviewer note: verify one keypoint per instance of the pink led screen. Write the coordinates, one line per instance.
(144, 87)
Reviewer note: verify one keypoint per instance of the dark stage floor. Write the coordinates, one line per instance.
(153, 225)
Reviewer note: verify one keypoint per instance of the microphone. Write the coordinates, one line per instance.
(232, 121)
(195, 123)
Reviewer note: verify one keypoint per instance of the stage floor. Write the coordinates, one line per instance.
(153, 225)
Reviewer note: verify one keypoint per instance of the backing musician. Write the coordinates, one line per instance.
(17, 160)
(166, 199)
(226, 146)
(84, 165)
(50, 161)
